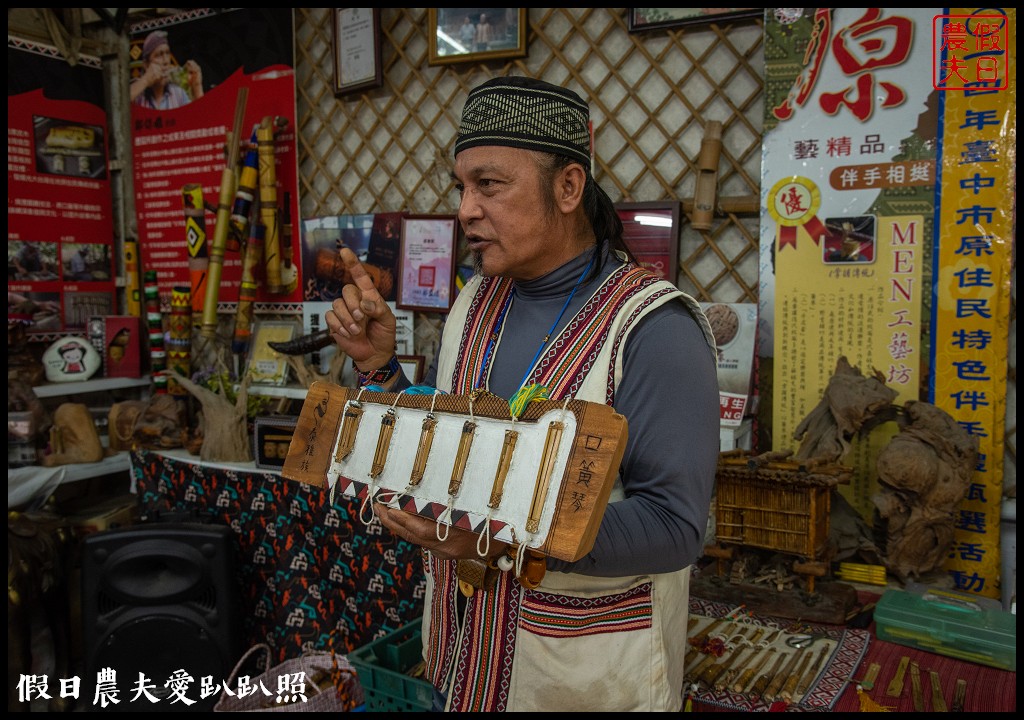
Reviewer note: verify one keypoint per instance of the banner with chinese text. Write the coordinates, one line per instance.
(60, 228)
(187, 71)
(973, 257)
(857, 182)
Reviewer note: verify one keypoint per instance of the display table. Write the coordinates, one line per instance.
(308, 568)
(850, 653)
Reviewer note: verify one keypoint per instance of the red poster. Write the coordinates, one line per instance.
(187, 73)
(60, 261)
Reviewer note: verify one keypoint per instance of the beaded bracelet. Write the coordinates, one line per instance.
(380, 375)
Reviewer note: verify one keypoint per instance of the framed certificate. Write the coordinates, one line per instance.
(266, 365)
(357, 59)
(427, 280)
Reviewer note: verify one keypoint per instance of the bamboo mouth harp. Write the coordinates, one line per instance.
(541, 481)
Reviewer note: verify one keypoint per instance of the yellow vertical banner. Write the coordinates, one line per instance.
(848, 186)
(976, 73)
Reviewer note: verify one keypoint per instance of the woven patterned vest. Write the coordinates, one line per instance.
(521, 649)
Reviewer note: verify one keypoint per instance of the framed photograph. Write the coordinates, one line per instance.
(266, 365)
(476, 34)
(357, 64)
(651, 232)
(414, 366)
(427, 279)
(652, 18)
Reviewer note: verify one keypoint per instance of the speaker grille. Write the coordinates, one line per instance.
(160, 599)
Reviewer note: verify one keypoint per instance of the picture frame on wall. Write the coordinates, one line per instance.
(427, 269)
(413, 366)
(356, 50)
(266, 365)
(640, 19)
(459, 35)
(651, 232)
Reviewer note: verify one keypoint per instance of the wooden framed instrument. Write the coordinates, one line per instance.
(541, 481)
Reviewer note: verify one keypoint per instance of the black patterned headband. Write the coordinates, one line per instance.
(526, 113)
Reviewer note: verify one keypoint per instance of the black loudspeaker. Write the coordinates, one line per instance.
(159, 599)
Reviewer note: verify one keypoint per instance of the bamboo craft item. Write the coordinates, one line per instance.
(767, 501)
(269, 213)
(132, 282)
(761, 684)
(938, 702)
(289, 271)
(252, 253)
(789, 687)
(805, 682)
(780, 679)
(220, 233)
(195, 239)
(707, 177)
(241, 211)
(155, 326)
(711, 672)
(895, 688)
(179, 338)
(556, 477)
(748, 676)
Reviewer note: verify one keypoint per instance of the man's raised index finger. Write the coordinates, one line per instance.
(359, 275)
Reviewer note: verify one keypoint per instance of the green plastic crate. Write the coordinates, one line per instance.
(382, 666)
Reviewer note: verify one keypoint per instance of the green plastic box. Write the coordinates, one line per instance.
(947, 623)
(382, 666)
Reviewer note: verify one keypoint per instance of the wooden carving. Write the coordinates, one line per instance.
(225, 425)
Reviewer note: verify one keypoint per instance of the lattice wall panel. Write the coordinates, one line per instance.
(650, 94)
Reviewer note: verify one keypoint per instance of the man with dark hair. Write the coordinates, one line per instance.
(558, 301)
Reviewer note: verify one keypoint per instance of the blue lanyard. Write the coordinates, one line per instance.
(501, 321)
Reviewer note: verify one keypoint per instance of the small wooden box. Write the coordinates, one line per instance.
(271, 437)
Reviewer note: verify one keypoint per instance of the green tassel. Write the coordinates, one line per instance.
(526, 395)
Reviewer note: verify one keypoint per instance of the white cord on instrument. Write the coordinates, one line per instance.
(371, 490)
(445, 518)
(520, 557)
(485, 535)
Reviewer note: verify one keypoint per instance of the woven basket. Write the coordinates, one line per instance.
(321, 692)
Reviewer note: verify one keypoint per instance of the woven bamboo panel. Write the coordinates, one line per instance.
(650, 93)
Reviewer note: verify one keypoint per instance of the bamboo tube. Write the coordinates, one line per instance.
(252, 252)
(241, 210)
(762, 682)
(786, 693)
(707, 177)
(289, 271)
(747, 676)
(132, 281)
(179, 340)
(220, 233)
(195, 240)
(805, 682)
(269, 211)
(772, 691)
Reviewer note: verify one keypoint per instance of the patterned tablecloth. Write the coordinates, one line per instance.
(310, 573)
